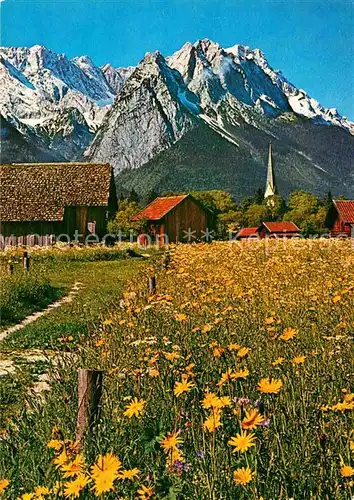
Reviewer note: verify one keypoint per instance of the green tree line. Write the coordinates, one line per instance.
(304, 209)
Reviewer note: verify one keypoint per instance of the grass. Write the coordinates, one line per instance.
(52, 272)
(22, 294)
(225, 317)
(63, 328)
(68, 325)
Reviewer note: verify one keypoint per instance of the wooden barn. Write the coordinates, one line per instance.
(247, 233)
(56, 199)
(278, 230)
(180, 218)
(340, 218)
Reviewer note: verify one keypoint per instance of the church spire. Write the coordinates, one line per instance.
(271, 187)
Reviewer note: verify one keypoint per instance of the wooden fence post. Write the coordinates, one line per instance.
(167, 260)
(26, 260)
(152, 285)
(10, 268)
(89, 397)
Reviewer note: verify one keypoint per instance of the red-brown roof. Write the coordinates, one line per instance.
(247, 231)
(41, 191)
(345, 209)
(158, 208)
(280, 227)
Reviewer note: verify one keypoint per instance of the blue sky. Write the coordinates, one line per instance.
(310, 41)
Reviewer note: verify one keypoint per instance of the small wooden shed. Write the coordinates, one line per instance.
(247, 233)
(56, 199)
(340, 218)
(278, 230)
(179, 218)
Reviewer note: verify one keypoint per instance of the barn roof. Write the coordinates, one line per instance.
(158, 208)
(247, 231)
(345, 209)
(41, 191)
(280, 227)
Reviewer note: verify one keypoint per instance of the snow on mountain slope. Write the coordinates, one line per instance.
(39, 88)
(127, 116)
(206, 93)
(151, 112)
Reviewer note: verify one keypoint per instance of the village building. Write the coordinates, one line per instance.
(278, 230)
(340, 218)
(177, 218)
(247, 233)
(55, 199)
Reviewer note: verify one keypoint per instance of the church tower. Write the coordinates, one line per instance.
(271, 187)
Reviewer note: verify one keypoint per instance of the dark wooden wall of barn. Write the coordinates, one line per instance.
(75, 218)
(187, 215)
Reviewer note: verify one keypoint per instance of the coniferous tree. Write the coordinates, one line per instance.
(133, 196)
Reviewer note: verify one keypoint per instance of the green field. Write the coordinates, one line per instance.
(233, 381)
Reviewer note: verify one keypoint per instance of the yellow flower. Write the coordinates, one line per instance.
(135, 408)
(349, 398)
(145, 492)
(212, 401)
(233, 347)
(347, 471)
(174, 455)
(73, 468)
(104, 472)
(26, 496)
(336, 299)
(225, 377)
(213, 421)
(343, 406)
(153, 372)
(269, 321)
(242, 442)
(41, 490)
(241, 373)
(181, 387)
(252, 419)
(129, 473)
(171, 441)
(243, 352)
(180, 317)
(278, 361)
(218, 351)
(61, 459)
(224, 401)
(55, 444)
(3, 485)
(74, 488)
(269, 386)
(288, 334)
(243, 476)
(170, 356)
(298, 360)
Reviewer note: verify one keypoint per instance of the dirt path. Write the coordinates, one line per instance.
(33, 317)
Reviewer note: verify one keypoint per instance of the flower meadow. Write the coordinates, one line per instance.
(233, 381)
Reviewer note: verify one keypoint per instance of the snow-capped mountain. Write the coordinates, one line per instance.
(181, 122)
(43, 91)
(200, 118)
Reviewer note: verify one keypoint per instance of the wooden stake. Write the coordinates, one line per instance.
(26, 260)
(152, 285)
(167, 260)
(89, 397)
(10, 268)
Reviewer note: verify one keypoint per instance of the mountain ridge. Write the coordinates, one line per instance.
(135, 117)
